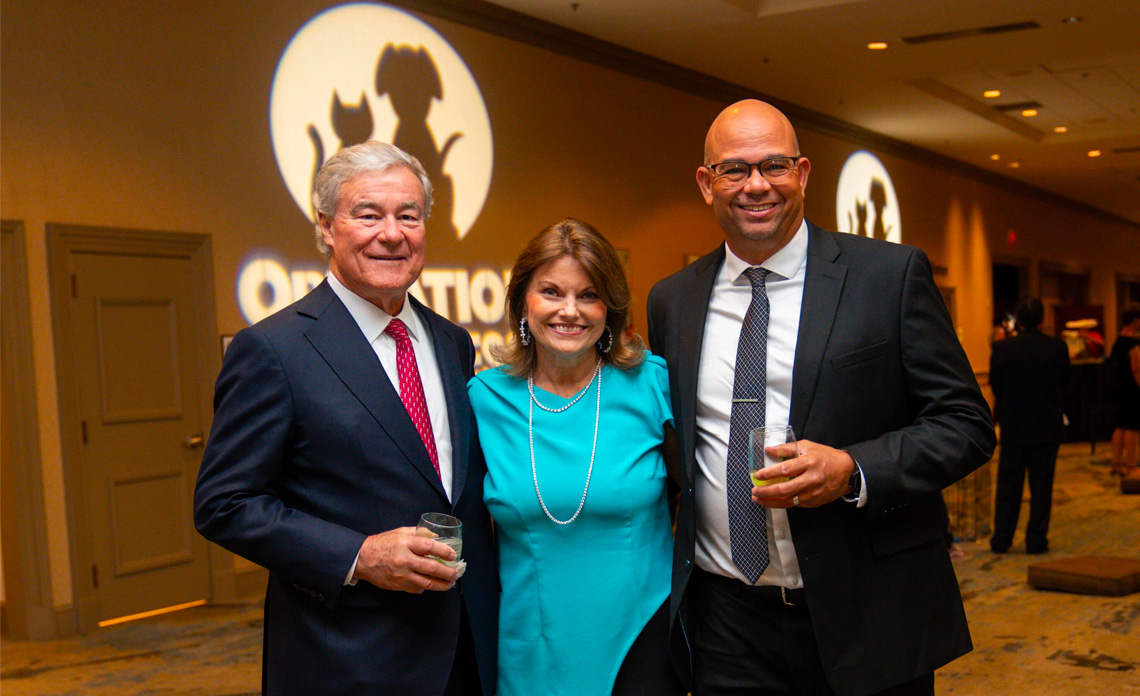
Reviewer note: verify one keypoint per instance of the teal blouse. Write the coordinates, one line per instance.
(576, 596)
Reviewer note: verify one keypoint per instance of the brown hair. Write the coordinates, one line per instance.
(580, 241)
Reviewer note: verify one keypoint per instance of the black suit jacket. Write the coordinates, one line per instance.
(879, 372)
(1028, 374)
(311, 450)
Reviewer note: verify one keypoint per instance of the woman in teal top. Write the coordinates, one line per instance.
(573, 430)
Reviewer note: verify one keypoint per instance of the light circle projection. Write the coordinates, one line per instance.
(865, 200)
(365, 70)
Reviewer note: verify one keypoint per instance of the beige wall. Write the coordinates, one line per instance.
(155, 116)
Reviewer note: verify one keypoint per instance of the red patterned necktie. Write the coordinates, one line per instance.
(411, 388)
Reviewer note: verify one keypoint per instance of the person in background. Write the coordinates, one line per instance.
(338, 422)
(574, 425)
(1028, 374)
(1126, 360)
(836, 581)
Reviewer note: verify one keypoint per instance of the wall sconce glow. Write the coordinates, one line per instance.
(364, 70)
(1094, 153)
(1029, 113)
(877, 45)
(1060, 129)
(865, 200)
(995, 157)
(991, 93)
(1015, 165)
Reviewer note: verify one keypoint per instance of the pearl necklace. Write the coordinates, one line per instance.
(593, 449)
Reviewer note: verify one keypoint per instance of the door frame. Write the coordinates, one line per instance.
(29, 606)
(62, 241)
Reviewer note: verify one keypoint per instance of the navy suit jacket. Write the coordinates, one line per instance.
(880, 373)
(311, 451)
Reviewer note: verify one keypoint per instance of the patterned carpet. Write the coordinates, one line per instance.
(1026, 641)
(206, 651)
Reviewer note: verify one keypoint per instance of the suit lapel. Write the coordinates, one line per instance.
(450, 364)
(823, 286)
(692, 311)
(337, 337)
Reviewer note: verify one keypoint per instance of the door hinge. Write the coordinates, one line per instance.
(83, 427)
(74, 286)
(94, 576)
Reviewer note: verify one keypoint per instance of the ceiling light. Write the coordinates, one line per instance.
(1071, 20)
(1060, 129)
(1029, 113)
(995, 157)
(1094, 153)
(1014, 164)
(877, 45)
(991, 93)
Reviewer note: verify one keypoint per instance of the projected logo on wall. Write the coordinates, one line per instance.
(361, 71)
(865, 200)
(365, 71)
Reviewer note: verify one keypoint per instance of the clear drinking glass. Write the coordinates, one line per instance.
(759, 439)
(444, 529)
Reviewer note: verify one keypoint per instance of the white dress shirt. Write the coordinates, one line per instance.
(730, 299)
(372, 321)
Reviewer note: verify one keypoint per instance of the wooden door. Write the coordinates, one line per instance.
(134, 337)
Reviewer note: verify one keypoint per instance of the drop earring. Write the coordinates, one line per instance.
(609, 344)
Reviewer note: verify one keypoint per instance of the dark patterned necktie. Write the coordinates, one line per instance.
(411, 388)
(747, 529)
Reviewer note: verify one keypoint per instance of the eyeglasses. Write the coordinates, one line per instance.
(734, 173)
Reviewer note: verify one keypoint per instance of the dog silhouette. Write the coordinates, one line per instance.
(409, 76)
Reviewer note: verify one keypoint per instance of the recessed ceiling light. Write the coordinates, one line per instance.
(1060, 129)
(1094, 153)
(1073, 19)
(877, 45)
(995, 157)
(1029, 113)
(991, 93)
(1014, 164)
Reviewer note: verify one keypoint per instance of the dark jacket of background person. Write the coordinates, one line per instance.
(1028, 373)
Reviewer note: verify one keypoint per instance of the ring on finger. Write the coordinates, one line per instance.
(795, 501)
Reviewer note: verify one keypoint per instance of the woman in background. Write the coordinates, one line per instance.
(1126, 359)
(573, 429)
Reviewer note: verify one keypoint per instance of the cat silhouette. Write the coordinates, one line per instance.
(861, 215)
(352, 124)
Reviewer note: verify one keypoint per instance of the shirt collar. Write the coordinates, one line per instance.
(785, 263)
(371, 319)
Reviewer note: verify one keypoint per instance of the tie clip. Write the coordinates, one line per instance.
(746, 401)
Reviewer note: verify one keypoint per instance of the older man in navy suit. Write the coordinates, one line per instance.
(338, 422)
(836, 581)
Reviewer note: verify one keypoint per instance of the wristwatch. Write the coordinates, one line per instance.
(856, 483)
